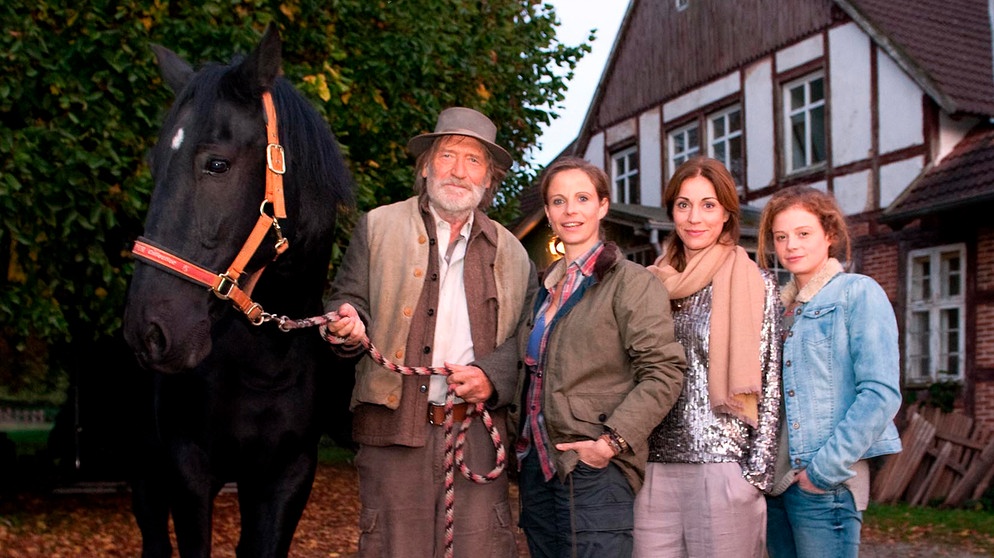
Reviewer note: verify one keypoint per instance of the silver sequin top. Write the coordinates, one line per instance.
(692, 432)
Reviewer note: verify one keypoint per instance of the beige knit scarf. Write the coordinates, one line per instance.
(737, 300)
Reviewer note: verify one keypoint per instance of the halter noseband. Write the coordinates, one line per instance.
(225, 285)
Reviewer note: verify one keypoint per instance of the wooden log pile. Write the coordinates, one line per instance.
(947, 461)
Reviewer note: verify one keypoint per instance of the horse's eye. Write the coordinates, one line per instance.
(217, 166)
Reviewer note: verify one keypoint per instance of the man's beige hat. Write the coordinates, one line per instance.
(467, 122)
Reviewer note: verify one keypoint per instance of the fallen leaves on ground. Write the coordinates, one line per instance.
(101, 525)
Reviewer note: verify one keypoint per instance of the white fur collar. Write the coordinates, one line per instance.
(790, 293)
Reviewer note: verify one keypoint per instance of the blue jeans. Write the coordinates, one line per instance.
(802, 524)
(592, 512)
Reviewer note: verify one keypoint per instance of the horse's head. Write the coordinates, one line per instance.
(209, 168)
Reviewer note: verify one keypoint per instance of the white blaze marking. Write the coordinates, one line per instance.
(177, 139)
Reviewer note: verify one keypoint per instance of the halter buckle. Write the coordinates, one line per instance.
(274, 158)
(223, 288)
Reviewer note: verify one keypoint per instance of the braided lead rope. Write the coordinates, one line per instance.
(454, 443)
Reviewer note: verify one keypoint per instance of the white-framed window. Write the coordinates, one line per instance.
(934, 337)
(625, 175)
(684, 143)
(804, 123)
(773, 264)
(725, 140)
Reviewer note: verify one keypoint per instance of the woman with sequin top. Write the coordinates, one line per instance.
(713, 454)
(841, 380)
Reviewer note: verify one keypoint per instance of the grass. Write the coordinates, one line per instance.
(29, 441)
(331, 454)
(969, 529)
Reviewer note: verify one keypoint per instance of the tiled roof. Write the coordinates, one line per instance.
(663, 51)
(965, 177)
(660, 52)
(945, 43)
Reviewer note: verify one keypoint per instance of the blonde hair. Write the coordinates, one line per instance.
(818, 203)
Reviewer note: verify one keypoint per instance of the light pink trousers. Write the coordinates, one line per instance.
(699, 511)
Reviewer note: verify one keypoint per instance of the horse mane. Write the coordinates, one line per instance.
(311, 148)
(317, 181)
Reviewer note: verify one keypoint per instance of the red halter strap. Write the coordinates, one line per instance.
(225, 285)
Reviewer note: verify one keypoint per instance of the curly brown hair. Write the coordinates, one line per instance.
(820, 204)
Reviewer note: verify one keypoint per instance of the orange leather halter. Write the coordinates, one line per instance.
(225, 285)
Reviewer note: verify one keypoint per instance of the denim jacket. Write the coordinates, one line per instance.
(841, 370)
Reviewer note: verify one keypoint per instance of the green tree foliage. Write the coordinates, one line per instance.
(81, 99)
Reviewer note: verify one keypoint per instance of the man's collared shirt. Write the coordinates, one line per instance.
(453, 337)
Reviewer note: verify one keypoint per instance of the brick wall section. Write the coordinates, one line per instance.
(985, 260)
(880, 262)
(985, 336)
(985, 310)
(984, 416)
(984, 390)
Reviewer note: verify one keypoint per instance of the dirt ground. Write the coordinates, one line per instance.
(100, 525)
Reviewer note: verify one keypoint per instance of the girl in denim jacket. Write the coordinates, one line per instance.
(840, 380)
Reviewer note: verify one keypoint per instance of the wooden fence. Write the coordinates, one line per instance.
(947, 460)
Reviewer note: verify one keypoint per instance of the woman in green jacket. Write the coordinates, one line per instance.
(600, 368)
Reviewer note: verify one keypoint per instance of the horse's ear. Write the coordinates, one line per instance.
(263, 66)
(175, 71)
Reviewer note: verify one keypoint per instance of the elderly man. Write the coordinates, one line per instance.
(433, 282)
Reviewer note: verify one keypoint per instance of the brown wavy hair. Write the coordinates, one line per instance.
(820, 204)
(725, 191)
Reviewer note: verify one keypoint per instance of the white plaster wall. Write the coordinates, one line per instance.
(759, 123)
(760, 203)
(951, 132)
(852, 191)
(849, 81)
(622, 131)
(595, 151)
(713, 91)
(650, 158)
(899, 106)
(800, 53)
(896, 177)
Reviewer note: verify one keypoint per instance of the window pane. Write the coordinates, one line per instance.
(718, 124)
(735, 159)
(952, 278)
(797, 141)
(919, 291)
(918, 350)
(633, 189)
(797, 97)
(817, 90)
(949, 337)
(735, 121)
(817, 135)
(719, 153)
(693, 141)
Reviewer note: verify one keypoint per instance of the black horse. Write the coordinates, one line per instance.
(234, 397)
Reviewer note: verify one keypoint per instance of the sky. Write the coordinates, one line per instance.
(577, 18)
